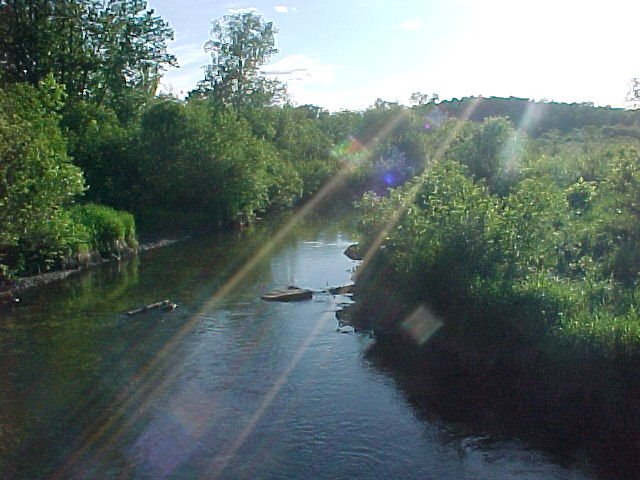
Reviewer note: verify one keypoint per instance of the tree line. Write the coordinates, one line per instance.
(82, 128)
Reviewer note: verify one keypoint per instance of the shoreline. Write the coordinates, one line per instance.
(562, 401)
(9, 293)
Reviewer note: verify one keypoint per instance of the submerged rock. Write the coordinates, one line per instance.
(290, 294)
(353, 252)
(342, 289)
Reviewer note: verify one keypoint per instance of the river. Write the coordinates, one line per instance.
(226, 385)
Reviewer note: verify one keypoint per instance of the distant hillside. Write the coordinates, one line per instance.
(536, 118)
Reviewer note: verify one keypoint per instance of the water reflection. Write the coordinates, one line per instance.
(473, 421)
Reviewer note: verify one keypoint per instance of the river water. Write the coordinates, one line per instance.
(226, 385)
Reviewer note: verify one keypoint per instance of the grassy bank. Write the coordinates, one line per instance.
(89, 234)
(570, 396)
(520, 286)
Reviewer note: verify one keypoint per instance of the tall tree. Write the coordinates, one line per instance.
(95, 48)
(239, 45)
(633, 95)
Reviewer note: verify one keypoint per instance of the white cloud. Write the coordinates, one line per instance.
(409, 25)
(301, 68)
(191, 59)
(234, 11)
(309, 81)
(281, 8)
(189, 55)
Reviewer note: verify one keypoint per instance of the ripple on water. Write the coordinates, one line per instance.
(488, 459)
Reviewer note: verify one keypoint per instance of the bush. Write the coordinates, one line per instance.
(559, 265)
(108, 230)
(37, 181)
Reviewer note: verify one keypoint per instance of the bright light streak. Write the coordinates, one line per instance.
(397, 214)
(218, 467)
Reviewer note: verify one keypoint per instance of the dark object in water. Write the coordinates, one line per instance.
(342, 289)
(165, 303)
(353, 252)
(290, 294)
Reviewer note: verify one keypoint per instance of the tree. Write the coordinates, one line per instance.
(239, 45)
(633, 96)
(96, 49)
(206, 160)
(104, 148)
(492, 152)
(419, 99)
(37, 179)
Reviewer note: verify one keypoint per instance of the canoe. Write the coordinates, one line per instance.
(291, 294)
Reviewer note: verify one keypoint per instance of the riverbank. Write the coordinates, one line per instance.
(80, 368)
(10, 293)
(500, 380)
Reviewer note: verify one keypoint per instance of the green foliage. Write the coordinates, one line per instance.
(300, 142)
(97, 50)
(105, 150)
(239, 45)
(555, 260)
(493, 152)
(457, 231)
(107, 230)
(37, 180)
(208, 160)
(600, 333)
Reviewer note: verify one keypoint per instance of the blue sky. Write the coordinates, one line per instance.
(345, 54)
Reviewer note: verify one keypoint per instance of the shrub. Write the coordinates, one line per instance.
(108, 229)
(37, 180)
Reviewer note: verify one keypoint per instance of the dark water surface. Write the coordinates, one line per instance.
(227, 385)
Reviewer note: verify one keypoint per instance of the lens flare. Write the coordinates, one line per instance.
(421, 325)
(397, 214)
(435, 118)
(532, 116)
(350, 153)
(389, 179)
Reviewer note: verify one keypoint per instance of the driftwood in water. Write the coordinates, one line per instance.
(165, 303)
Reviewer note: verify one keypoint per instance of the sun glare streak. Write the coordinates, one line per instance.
(534, 111)
(512, 152)
(219, 466)
(397, 214)
(133, 402)
(145, 383)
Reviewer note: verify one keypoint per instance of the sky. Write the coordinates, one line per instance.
(344, 54)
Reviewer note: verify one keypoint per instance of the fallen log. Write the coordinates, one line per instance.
(165, 303)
